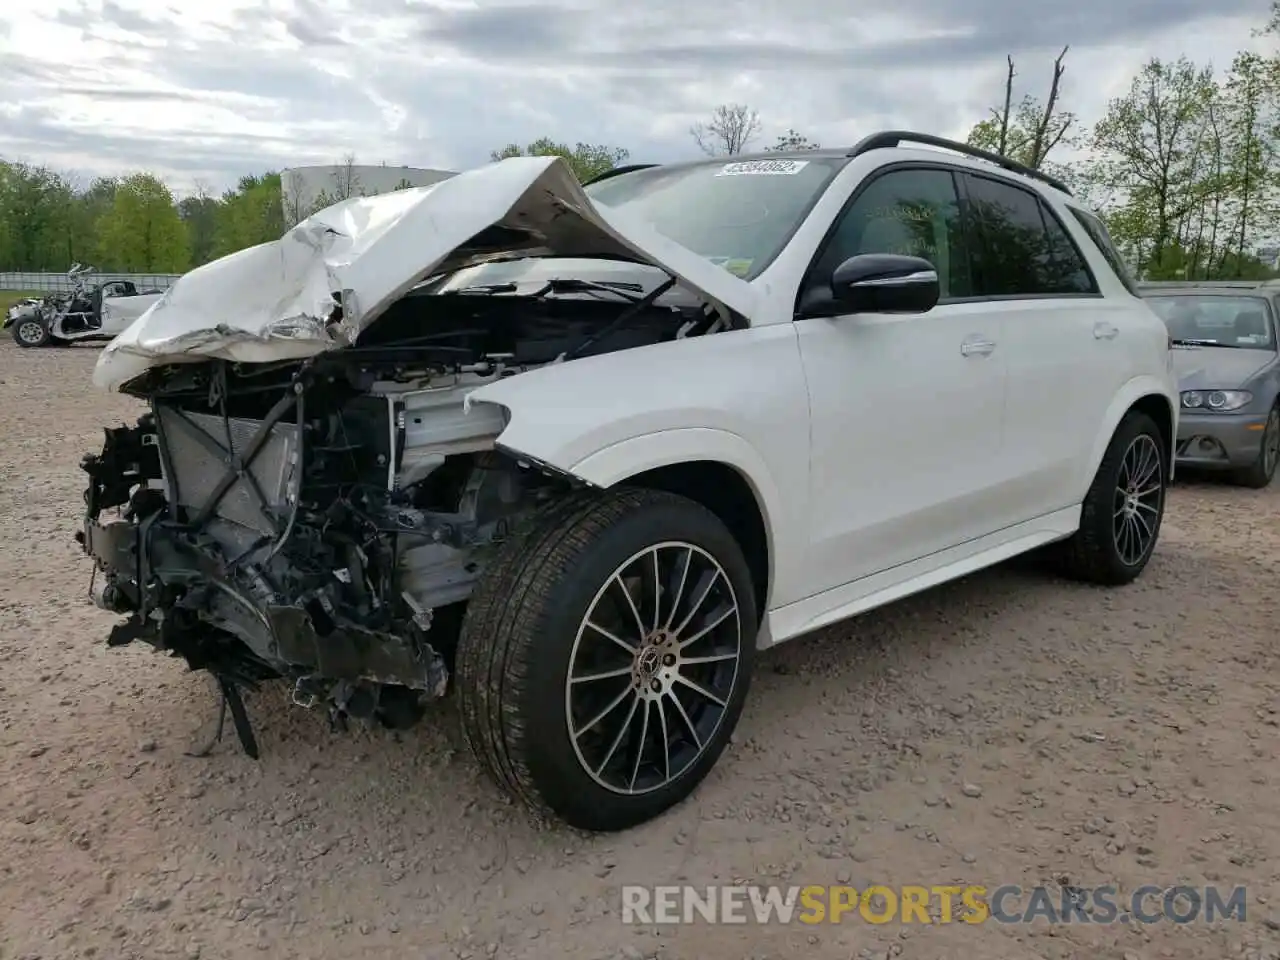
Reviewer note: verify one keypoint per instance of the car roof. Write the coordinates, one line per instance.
(916, 146)
(840, 155)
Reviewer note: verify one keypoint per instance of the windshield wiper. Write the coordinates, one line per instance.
(638, 307)
(573, 285)
(489, 288)
(632, 292)
(1187, 342)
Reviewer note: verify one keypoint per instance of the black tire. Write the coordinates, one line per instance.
(24, 332)
(1259, 473)
(525, 634)
(1097, 552)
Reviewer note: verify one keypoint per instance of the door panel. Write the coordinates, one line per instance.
(905, 432)
(1060, 339)
(1061, 379)
(905, 421)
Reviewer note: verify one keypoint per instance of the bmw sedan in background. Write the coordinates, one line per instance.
(1224, 342)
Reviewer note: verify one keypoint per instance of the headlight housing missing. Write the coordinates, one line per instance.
(1216, 400)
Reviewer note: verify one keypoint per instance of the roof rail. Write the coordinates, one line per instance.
(893, 138)
(617, 171)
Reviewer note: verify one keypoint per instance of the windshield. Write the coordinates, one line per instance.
(736, 214)
(1221, 321)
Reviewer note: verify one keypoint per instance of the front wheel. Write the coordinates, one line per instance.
(1121, 515)
(30, 332)
(605, 657)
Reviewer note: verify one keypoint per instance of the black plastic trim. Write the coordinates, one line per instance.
(618, 171)
(889, 139)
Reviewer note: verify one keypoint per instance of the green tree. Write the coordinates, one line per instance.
(143, 232)
(587, 160)
(88, 212)
(1250, 143)
(199, 212)
(791, 140)
(253, 213)
(35, 208)
(1152, 151)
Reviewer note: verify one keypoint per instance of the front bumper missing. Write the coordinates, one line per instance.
(226, 601)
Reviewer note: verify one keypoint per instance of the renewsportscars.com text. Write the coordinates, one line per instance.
(1007, 904)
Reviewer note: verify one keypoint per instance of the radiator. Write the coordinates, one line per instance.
(196, 459)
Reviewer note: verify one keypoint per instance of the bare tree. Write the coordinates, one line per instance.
(1029, 130)
(345, 182)
(1049, 134)
(1008, 108)
(731, 128)
(296, 207)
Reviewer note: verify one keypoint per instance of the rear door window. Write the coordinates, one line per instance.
(1021, 249)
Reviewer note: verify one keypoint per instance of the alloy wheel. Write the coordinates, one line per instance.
(1138, 500)
(653, 667)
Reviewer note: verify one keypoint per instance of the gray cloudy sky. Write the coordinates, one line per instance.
(209, 90)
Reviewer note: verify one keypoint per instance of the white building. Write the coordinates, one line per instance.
(302, 188)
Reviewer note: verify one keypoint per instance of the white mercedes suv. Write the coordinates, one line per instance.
(581, 452)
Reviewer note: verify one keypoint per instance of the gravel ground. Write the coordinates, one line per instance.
(1009, 728)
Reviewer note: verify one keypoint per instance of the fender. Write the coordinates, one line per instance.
(627, 458)
(739, 398)
(1130, 393)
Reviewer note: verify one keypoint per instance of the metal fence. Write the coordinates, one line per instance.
(61, 283)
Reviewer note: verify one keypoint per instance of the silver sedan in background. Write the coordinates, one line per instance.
(1224, 341)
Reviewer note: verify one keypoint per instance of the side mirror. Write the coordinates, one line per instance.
(885, 283)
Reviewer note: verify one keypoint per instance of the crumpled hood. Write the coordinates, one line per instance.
(1217, 368)
(276, 301)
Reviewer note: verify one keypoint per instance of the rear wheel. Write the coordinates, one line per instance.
(605, 658)
(30, 332)
(1259, 473)
(1121, 515)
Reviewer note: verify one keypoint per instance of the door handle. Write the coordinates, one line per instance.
(977, 346)
(1105, 331)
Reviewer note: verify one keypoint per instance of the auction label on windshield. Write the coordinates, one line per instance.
(784, 168)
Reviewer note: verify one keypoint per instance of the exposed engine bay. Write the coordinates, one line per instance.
(325, 520)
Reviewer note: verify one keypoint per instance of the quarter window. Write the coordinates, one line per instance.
(912, 212)
(1097, 231)
(1021, 248)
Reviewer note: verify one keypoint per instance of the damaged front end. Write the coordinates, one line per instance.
(308, 497)
(308, 521)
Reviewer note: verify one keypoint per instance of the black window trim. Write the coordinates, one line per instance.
(1045, 210)
(958, 174)
(953, 170)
